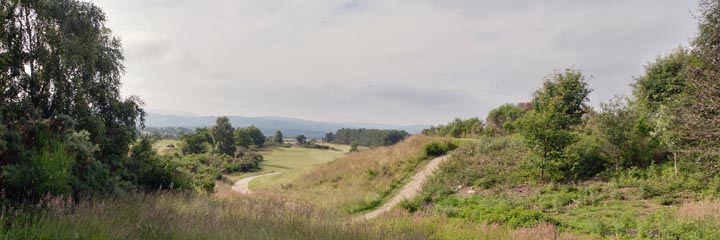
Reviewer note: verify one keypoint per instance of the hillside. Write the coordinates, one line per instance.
(289, 126)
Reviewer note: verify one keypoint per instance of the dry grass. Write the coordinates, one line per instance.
(358, 181)
(447, 228)
(180, 216)
(705, 210)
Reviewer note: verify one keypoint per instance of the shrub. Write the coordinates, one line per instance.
(46, 170)
(435, 149)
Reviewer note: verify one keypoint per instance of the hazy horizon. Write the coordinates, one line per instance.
(389, 62)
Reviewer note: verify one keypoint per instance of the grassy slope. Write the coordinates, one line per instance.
(487, 182)
(359, 181)
(291, 162)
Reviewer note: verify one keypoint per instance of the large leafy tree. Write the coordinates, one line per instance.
(243, 137)
(257, 136)
(197, 142)
(659, 94)
(557, 107)
(223, 137)
(278, 137)
(59, 61)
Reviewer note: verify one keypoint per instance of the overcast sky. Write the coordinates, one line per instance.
(399, 62)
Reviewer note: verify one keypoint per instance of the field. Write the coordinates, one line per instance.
(357, 182)
(162, 146)
(291, 162)
(288, 161)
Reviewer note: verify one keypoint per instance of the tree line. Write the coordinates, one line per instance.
(366, 137)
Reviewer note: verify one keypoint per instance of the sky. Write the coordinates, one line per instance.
(390, 61)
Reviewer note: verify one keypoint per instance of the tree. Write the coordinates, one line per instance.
(197, 142)
(628, 131)
(354, 147)
(222, 134)
(659, 93)
(504, 115)
(329, 137)
(663, 80)
(243, 137)
(557, 107)
(278, 138)
(368, 137)
(301, 139)
(257, 136)
(700, 112)
(58, 60)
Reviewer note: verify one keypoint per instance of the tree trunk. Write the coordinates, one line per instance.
(542, 167)
(675, 163)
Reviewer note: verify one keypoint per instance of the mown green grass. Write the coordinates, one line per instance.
(291, 162)
(162, 148)
(287, 161)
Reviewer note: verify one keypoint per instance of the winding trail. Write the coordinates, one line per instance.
(242, 185)
(409, 190)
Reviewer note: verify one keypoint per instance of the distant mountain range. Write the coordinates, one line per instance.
(290, 127)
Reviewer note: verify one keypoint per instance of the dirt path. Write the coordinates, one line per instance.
(409, 190)
(242, 185)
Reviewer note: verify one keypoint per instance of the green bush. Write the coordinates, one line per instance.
(435, 149)
(46, 170)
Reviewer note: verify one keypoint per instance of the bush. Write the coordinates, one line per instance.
(47, 168)
(435, 149)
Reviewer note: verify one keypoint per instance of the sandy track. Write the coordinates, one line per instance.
(409, 190)
(242, 185)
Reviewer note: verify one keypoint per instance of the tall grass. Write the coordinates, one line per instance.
(184, 216)
(439, 227)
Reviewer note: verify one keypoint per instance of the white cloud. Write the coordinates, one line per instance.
(421, 61)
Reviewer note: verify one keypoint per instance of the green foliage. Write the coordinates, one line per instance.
(503, 117)
(557, 108)
(699, 114)
(627, 130)
(666, 224)
(471, 127)
(145, 167)
(48, 170)
(249, 136)
(663, 80)
(197, 142)
(222, 134)
(584, 159)
(354, 146)
(301, 139)
(256, 135)
(490, 162)
(435, 149)
(329, 137)
(369, 137)
(243, 137)
(62, 69)
(278, 137)
(492, 210)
